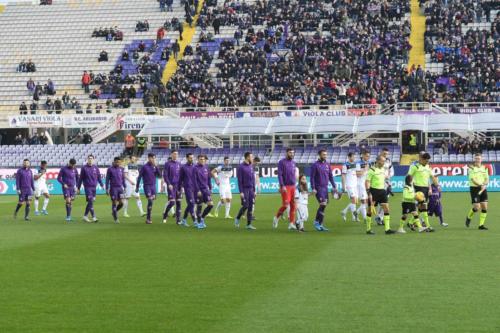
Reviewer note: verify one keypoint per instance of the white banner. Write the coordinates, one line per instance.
(85, 121)
(133, 123)
(37, 121)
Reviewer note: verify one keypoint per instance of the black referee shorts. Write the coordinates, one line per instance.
(476, 197)
(424, 190)
(378, 196)
(408, 207)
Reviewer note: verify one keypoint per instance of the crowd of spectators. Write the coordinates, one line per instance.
(460, 145)
(310, 52)
(109, 34)
(80, 138)
(142, 26)
(470, 57)
(35, 139)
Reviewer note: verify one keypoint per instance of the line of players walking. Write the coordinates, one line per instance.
(363, 182)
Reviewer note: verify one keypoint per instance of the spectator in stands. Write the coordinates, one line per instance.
(142, 26)
(30, 67)
(160, 34)
(125, 56)
(109, 105)
(95, 94)
(58, 105)
(165, 54)
(176, 49)
(119, 35)
(21, 67)
(141, 145)
(103, 56)
(33, 107)
(162, 5)
(88, 110)
(141, 47)
(23, 109)
(30, 85)
(169, 4)
(50, 88)
(45, 2)
(66, 99)
(129, 144)
(87, 139)
(86, 81)
(49, 104)
(135, 56)
(34, 140)
(98, 108)
(180, 28)
(216, 25)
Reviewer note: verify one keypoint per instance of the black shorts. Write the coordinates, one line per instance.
(378, 196)
(476, 197)
(408, 207)
(424, 190)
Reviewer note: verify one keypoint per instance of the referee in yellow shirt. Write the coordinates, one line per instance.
(478, 181)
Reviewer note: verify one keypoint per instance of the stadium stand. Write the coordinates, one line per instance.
(58, 39)
(461, 43)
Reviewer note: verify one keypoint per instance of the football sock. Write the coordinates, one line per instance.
(482, 217)
(387, 221)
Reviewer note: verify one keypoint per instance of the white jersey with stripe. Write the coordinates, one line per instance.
(42, 181)
(349, 169)
(389, 170)
(363, 166)
(132, 169)
(224, 174)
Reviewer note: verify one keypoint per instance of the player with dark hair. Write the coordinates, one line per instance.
(246, 185)
(115, 186)
(41, 188)
(321, 175)
(287, 177)
(25, 186)
(90, 176)
(148, 175)
(68, 177)
(171, 178)
(203, 190)
(188, 187)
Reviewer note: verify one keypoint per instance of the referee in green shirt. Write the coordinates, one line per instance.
(423, 176)
(478, 181)
(377, 194)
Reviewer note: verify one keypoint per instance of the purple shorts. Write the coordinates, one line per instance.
(206, 196)
(434, 209)
(174, 193)
(25, 195)
(322, 195)
(69, 193)
(189, 196)
(248, 197)
(90, 193)
(150, 191)
(116, 193)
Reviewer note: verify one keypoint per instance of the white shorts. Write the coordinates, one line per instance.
(362, 195)
(41, 190)
(130, 191)
(352, 191)
(302, 213)
(225, 192)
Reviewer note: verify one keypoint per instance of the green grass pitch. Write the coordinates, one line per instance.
(134, 277)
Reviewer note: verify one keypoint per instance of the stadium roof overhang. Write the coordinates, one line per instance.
(320, 125)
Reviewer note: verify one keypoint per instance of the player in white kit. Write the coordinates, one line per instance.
(363, 167)
(389, 173)
(350, 186)
(131, 175)
(222, 175)
(41, 188)
(302, 201)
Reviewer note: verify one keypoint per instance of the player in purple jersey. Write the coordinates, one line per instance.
(149, 174)
(203, 190)
(68, 177)
(171, 178)
(25, 187)
(246, 185)
(187, 187)
(115, 187)
(90, 176)
(435, 208)
(321, 175)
